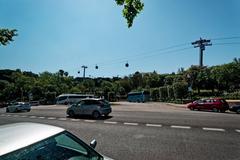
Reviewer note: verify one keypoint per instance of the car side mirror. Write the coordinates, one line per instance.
(93, 143)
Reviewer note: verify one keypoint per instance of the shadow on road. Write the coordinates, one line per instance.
(227, 112)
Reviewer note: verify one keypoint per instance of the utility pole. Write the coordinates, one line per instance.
(201, 44)
(84, 68)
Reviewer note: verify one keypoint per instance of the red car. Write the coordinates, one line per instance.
(214, 104)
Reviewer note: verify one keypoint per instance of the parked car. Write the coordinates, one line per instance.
(235, 108)
(90, 106)
(40, 141)
(214, 104)
(18, 106)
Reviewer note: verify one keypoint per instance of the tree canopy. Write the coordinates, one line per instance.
(6, 36)
(204, 81)
(131, 8)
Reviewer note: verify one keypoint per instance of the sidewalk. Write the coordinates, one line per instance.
(147, 107)
(177, 105)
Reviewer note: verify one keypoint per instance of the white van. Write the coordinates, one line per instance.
(71, 98)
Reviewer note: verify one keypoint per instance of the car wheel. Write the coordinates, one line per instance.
(191, 108)
(238, 111)
(71, 113)
(96, 114)
(7, 110)
(222, 111)
(28, 110)
(106, 114)
(215, 110)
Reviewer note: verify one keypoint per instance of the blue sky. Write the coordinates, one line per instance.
(64, 34)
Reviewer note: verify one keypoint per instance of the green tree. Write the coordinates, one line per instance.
(163, 93)
(125, 83)
(6, 36)
(136, 80)
(131, 8)
(170, 92)
(106, 87)
(61, 72)
(204, 79)
(169, 79)
(152, 80)
(180, 89)
(191, 76)
(154, 94)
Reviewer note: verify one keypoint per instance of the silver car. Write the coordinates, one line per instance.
(19, 106)
(36, 141)
(90, 106)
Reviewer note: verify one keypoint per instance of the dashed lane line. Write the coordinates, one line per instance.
(125, 123)
(75, 120)
(181, 127)
(130, 124)
(62, 119)
(153, 125)
(90, 121)
(51, 118)
(110, 122)
(213, 129)
(41, 117)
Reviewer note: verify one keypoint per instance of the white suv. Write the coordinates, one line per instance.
(19, 106)
(90, 106)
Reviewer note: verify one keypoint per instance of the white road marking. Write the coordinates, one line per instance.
(62, 119)
(51, 118)
(153, 125)
(131, 124)
(181, 127)
(125, 123)
(110, 122)
(90, 121)
(214, 129)
(41, 117)
(238, 130)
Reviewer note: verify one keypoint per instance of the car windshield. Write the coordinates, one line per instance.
(61, 146)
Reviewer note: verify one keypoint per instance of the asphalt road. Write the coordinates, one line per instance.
(148, 131)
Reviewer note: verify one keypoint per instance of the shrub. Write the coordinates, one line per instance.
(163, 93)
(180, 90)
(170, 92)
(155, 94)
(233, 95)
